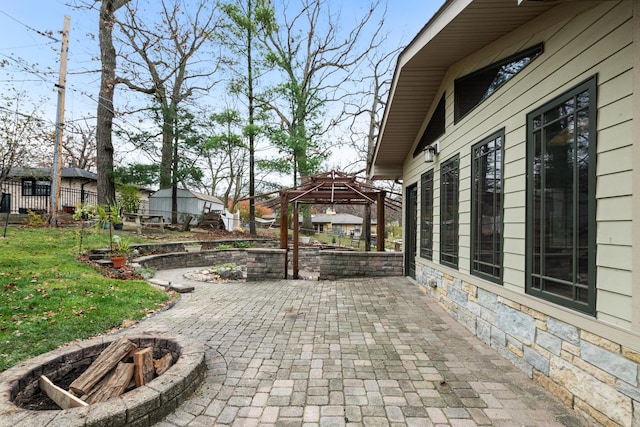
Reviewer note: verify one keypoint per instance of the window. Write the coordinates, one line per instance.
(435, 128)
(486, 207)
(449, 182)
(426, 208)
(561, 165)
(474, 88)
(34, 187)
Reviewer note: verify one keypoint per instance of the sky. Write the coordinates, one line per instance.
(30, 33)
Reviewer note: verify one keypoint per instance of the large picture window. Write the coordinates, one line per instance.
(486, 207)
(449, 183)
(426, 219)
(561, 160)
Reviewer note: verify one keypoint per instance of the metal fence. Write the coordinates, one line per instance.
(14, 201)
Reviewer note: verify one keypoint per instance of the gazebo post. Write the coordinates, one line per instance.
(380, 227)
(367, 227)
(284, 228)
(296, 237)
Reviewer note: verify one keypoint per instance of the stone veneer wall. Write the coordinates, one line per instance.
(337, 264)
(596, 376)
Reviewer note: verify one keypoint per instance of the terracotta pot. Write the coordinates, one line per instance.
(118, 261)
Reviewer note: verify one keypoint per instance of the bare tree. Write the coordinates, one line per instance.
(22, 133)
(316, 58)
(79, 148)
(365, 108)
(163, 62)
(105, 112)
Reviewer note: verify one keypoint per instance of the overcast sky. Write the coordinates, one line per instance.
(30, 59)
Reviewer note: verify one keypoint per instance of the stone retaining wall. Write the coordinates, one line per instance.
(338, 264)
(596, 376)
(193, 259)
(265, 264)
(171, 247)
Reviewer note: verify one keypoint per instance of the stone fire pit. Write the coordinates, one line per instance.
(22, 403)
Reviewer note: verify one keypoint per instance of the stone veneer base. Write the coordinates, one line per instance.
(597, 377)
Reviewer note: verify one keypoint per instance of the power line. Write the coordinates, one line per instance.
(42, 33)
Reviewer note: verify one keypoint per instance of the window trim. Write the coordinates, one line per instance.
(590, 307)
(474, 225)
(456, 222)
(458, 115)
(426, 251)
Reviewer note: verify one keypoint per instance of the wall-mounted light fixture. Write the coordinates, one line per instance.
(430, 152)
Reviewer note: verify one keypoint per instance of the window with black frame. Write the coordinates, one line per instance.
(474, 88)
(561, 161)
(36, 187)
(449, 185)
(486, 207)
(426, 216)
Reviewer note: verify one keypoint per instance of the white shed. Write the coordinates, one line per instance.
(189, 203)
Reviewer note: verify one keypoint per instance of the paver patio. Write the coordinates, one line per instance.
(360, 352)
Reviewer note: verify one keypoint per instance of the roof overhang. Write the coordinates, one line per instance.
(457, 30)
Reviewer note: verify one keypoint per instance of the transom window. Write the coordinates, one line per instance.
(449, 183)
(35, 187)
(474, 88)
(426, 208)
(435, 128)
(486, 207)
(561, 161)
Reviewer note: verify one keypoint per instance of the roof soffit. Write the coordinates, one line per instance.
(459, 28)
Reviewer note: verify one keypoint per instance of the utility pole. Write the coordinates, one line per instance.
(57, 153)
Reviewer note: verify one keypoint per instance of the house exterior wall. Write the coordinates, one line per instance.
(589, 362)
(70, 195)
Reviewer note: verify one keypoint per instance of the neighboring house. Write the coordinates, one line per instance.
(30, 189)
(513, 125)
(188, 203)
(337, 223)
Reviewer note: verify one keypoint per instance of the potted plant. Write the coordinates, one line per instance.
(114, 217)
(120, 249)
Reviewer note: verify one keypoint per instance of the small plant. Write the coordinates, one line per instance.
(120, 246)
(84, 212)
(243, 245)
(224, 246)
(35, 220)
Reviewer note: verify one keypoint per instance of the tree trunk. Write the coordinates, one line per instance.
(105, 112)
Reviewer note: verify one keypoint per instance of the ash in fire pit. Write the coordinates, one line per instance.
(218, 273)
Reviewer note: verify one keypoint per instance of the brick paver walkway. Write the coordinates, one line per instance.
(365, 352)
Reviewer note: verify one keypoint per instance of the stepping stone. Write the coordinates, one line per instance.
(181, 289)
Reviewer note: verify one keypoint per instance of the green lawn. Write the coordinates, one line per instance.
(48, 297)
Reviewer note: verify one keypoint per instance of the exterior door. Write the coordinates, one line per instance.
(5, 203)
(411, 231)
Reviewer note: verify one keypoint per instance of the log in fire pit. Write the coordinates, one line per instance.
(23, 401)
